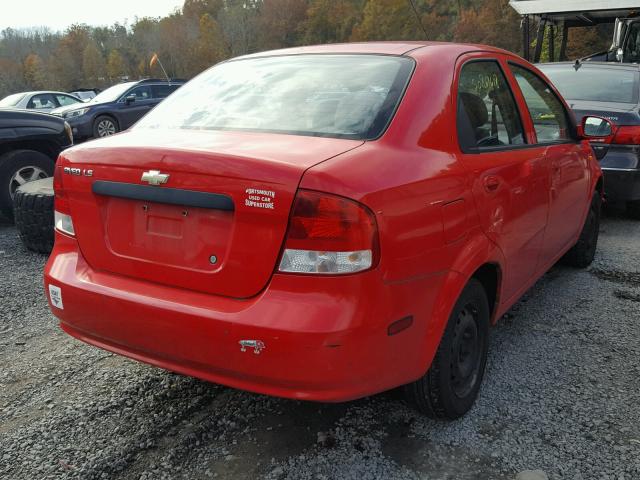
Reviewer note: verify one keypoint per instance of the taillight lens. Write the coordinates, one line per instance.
(627, 135)
(62, 213)
(329, 234)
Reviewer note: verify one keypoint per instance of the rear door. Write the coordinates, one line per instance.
(508, 174)
(569, 179)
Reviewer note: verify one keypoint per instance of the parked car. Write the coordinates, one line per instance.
(85, 94)
(41, 101)
(29, 145)
(612, 91)
(116, 108)
(327, 222)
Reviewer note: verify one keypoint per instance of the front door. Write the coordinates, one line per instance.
(132, 111)
(509, 176)
(569, 181)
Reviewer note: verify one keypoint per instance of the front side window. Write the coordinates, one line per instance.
(487, 113)
(141, 93)
(550, 119)
(340, 96)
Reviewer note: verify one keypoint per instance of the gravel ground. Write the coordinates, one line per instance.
(561, 395)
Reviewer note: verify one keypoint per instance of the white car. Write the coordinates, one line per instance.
(84, 95)
(40, 101)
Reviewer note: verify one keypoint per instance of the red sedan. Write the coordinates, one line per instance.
(325, 223)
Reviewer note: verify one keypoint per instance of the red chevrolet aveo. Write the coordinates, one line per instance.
(325, 223)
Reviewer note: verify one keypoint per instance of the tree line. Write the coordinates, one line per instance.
(204, 32)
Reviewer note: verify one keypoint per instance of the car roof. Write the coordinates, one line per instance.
(380, 48)
(37, 92)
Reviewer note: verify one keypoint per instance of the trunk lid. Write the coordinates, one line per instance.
(218, 223)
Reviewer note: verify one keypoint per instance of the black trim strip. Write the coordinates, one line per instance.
(172, 196)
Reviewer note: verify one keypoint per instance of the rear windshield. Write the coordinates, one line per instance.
(594, 84)
(342, 96)
(11, 100)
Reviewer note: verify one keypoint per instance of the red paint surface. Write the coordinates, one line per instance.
(141, 283)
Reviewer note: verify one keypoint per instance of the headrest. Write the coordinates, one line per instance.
(475, 108)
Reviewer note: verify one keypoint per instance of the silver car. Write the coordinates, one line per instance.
(40, 101)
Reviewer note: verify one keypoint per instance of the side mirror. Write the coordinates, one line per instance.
(130, 99)
(596, 129)
(620, 55)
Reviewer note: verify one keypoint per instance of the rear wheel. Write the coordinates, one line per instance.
(582, 253)
(451, 385)
(104, 126)
(633, 210)
(17, 168)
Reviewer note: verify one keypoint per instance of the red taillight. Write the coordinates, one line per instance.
(627, 135)
(60, 199)
(62, 212)
(329, 234)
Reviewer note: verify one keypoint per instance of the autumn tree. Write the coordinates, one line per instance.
(35, 73)
(388, 20)
(330, 21)
(93, 65)
(116, 67)
(211, 46)
(281, 23)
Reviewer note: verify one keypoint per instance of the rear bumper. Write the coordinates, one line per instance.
(621, 169)
(621, 185)
(325, 339)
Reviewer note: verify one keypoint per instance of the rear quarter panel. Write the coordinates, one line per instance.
(414, 182)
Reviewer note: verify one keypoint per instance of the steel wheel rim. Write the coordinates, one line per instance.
(25, 175)
(106, 128)
(466, 352)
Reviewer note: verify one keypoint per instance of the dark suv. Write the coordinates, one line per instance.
(29, 146)
(612, 91)
(117, 108)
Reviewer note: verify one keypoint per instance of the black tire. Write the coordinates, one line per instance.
(582, 253)
(29, 165)
(451, 385)
(633, 210)
(104, 126)
(33, 213)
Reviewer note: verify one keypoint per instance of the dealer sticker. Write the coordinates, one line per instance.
(259, 198)
(55, 294)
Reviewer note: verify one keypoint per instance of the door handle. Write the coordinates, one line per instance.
(491, 183)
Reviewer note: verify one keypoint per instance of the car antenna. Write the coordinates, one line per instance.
(418, 19)
(577, 65)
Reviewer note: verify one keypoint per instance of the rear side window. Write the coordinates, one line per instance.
(163, 91)
(487, 113)
(550, 119)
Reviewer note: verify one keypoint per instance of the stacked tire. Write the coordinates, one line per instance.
(33, 214)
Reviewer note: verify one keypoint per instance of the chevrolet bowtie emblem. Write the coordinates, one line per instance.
(154, 177)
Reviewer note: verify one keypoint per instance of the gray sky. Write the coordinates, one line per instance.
(57, 15)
